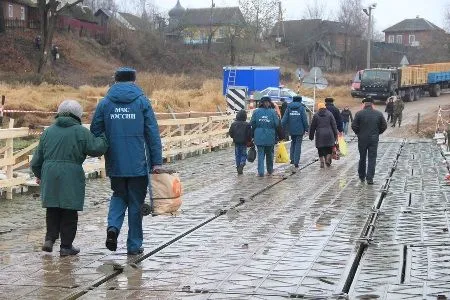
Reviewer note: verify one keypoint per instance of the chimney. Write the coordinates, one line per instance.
(417, 17)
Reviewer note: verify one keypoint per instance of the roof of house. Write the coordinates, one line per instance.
(220, 16)
(82, 13)
(417, 24)
(103, 11)
(328, 49)
(135, 21)
(31, 3)
(307, 32)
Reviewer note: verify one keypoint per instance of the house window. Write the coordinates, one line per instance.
(391, 39)
(22, 13)
(10, 11)
(399, 39)
(412, 39)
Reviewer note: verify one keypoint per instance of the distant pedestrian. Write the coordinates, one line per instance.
(329, 103)
(296, 122)
(390, 109)
(55, 52)
(324, 130)
(57, 165)
(241, 133)
(283, 108)
(368, 125)
(399, 106)
(264, 124)
(37, 42)
(126, 116)
(347, 117)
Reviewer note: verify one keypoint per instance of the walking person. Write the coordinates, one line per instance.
(241, 133)
(368, 125)
(324, 130)
(127, 118)
(390, 109)
(264, 123)
(399, 106)
(347, 117)
(329, 103)
(57, 165)
(296, 123)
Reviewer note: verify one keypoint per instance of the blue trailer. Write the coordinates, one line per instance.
(253, 78)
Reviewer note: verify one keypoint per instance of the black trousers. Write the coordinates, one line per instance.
(367, 152)
(61, 222)
(390, 117)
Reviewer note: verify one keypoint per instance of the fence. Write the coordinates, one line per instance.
(21, 24)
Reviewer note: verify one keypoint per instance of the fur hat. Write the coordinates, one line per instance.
(71, 107)
(329, 100)
(297, 99)
(367, 100)
(265, 98)
(125, 74)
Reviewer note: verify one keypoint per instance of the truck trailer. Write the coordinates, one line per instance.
(409, 82)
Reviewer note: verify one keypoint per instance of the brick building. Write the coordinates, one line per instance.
(413, 32)
(20, 13)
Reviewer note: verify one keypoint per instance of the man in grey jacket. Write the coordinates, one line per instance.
(368, 125)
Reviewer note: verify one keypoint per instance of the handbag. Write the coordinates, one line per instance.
(251, 155)
(336, 152)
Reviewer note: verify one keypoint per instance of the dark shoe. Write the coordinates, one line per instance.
(322, 165)
(136, 252)
(240, 170)
(111, 240)
(362, 180)
(69, 251)
(370, 181)
(296, 166)
(393, 126)
(48, 246)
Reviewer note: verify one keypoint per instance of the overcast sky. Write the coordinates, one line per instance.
(387, 13)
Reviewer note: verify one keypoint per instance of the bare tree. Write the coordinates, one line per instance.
(315, 9)
(49, 11)
(260, 16)
(350, 15)
(447, 17)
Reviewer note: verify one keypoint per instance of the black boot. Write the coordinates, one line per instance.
(111, 240)
(240, 170)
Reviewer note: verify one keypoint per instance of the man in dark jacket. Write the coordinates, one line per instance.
(346, 116)
(241, 133)
(296, 122)
(390, 109)
(368, 125)
(126, 117)
(329, 103)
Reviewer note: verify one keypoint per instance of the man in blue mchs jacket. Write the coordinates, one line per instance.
(126, 117)
(264, 123)
(296, 122)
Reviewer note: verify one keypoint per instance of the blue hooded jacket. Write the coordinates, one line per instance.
(127, 118)
(295, 119)
(264, 124)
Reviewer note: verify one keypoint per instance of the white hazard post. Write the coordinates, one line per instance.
(9, 153)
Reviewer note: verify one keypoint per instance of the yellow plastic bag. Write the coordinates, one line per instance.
(281, 155)
(342, 146)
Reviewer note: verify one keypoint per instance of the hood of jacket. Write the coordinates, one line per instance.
(65, 120)
(241, 115)
(124, 92)
(295, 105)
(322, 112)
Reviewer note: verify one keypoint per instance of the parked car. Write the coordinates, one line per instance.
(278, 93)
(356, 85)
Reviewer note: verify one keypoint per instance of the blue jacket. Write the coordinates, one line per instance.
(295, 119)
(126, 117)
(264, 124)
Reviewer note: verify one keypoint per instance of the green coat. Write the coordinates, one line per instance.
(58, 162)
(399, 105)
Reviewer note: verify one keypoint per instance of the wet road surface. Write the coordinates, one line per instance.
(251, 238)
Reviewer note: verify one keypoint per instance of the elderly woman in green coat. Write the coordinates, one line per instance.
(57, 165)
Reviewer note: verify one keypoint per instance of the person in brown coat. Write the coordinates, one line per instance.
(323, 128)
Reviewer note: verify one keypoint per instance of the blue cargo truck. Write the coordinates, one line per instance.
(241, 81)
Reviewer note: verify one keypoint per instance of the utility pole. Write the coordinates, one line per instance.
(368, 11)
(281, 35)
(210, 37)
